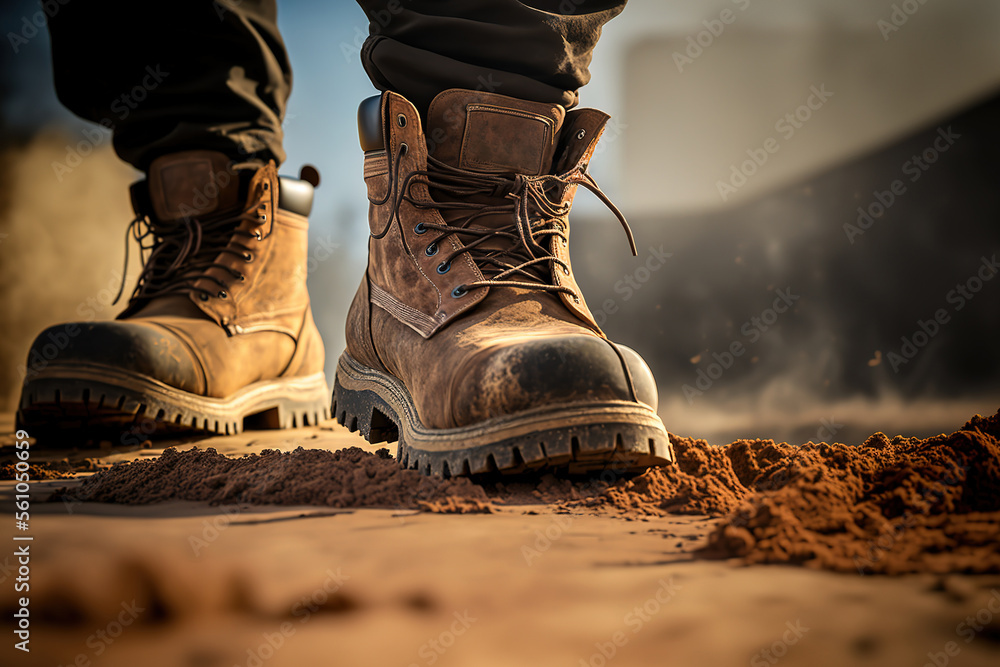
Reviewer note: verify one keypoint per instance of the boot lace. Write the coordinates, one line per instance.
(176, 254)
(518, 254)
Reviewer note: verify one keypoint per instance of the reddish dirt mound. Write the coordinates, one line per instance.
(703, 481)
(345, 478)
(887, 506)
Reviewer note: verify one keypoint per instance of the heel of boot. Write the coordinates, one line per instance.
(288, 414)
(364, 411)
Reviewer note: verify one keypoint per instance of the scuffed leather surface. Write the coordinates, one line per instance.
(263, 330)
(488, 362)
(515, 349)
(144, 348)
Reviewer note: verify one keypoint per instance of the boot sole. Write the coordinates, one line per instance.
(620, 436)
(72, 403)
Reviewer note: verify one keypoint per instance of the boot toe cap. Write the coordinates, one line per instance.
(141, 349)
(642, 377)
(533, 372)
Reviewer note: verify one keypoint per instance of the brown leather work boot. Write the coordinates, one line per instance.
(468, 339)
(219, 328)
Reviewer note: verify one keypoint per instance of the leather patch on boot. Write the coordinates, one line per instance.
(191, 183)
(505, 140)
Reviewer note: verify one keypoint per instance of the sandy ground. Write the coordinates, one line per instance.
(187, 584)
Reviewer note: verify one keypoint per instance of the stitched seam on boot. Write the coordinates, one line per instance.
(420, 322)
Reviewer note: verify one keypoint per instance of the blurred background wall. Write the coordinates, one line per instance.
(813, 187)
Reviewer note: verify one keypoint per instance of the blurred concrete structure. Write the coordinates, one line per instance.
(704, 82)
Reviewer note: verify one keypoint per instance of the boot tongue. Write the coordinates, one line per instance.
(191, 184)
(491, 133)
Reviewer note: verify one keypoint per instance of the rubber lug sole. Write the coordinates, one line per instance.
(75, 404)
(621, 436)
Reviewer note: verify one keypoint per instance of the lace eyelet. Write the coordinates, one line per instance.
(242, 278)
(444, 267)
(431, 250)
(403, 148)
(401, 120)
(581, 134)
(565, 271)
(247, 257)
(223, 294)
(459, 292)
(420, 228)
(203, 296)
(258, 236)
(263, 218)
(576, 299)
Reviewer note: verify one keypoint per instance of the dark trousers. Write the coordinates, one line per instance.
(202, 74)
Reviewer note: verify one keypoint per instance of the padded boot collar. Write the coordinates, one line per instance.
(473, 130)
